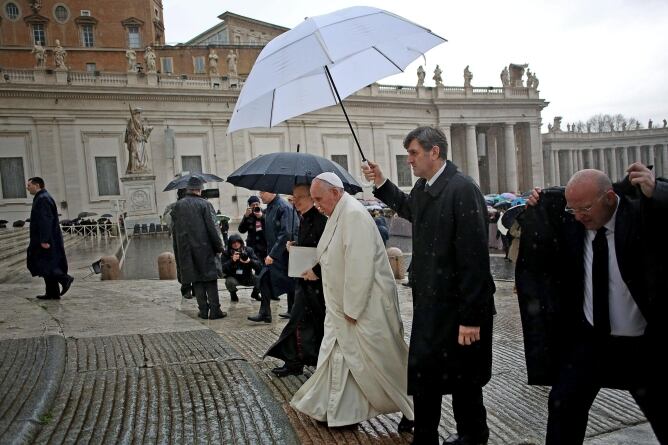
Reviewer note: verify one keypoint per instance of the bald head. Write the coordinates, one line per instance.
(590, 195)
(590, 178)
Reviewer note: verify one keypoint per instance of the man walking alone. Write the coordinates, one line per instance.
(46, 251)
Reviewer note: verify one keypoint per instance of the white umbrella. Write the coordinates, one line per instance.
(324, 59)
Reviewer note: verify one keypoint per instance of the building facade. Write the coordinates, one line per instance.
(566, 152)
(68, 125)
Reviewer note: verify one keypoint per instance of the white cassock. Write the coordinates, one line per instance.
(362, 366)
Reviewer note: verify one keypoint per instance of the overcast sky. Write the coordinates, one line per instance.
(591, 56)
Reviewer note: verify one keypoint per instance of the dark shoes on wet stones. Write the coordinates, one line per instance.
(284, 371)
(259, 318)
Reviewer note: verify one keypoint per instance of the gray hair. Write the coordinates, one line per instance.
(428, 137)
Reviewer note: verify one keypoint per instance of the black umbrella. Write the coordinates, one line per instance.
(280, 172)
(86, 214)
(107, 215)
(182, 181)
(509, 215)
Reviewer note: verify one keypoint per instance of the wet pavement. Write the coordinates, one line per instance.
(129, 362)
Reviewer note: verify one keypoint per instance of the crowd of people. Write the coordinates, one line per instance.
(591, 256)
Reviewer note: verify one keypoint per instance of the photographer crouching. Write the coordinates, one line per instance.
(240, 267)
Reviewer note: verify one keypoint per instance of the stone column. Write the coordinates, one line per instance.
(625, 157)
(446, 131)
(472, 154)
(537, 172)
(571, 162)
(637, 155)
(510, 157)
(613, 175)
(664, 159)
(580, 160)
(650, 155)
(601, 159)
(590, 158)
(556, 178)
(492, 161)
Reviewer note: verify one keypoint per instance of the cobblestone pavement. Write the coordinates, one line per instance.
(129, 362)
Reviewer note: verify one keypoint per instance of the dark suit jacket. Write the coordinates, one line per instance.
(44, 228)
(550, 273)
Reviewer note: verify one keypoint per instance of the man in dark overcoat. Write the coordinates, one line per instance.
(196, 242)
(299, 342)
(453, 290)
(281, 225)
(604, 326)
(46, 251)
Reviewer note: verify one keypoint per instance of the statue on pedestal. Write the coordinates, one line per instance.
(136, 136)
(59, 55)
(213, 62)
(468, 76)
(557, 123)
(232, 64)
(131, 55)
(150, 58)
(40, 56)
(665, 122)
(649, 124)
(549, 128)
(437, 76)
(421, 74)
(505, 79)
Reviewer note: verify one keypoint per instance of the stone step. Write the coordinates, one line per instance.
(13, 260)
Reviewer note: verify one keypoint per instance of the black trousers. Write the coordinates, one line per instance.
(206, 293)
(595, 362)
(51, 284)
(271, 291)
(231, 283)
(467, 408)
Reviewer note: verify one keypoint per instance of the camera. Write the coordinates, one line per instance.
(243, 255)
(210, 193)
(257, 210)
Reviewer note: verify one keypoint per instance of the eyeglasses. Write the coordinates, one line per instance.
(583, 209)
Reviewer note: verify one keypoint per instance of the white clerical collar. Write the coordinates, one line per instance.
(433, 179)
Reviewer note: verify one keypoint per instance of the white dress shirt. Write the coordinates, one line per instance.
(625, 316)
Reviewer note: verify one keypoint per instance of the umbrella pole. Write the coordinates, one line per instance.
(331, 81)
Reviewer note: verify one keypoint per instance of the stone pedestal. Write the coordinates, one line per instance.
(132, 78)
(166, 266)
(140, 203)
(152, 79)
(40, 75)
(61, 76)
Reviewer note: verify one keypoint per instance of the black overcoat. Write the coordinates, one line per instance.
(451, 281)
(550, 273)
(196, 239)
(44, 228)
(281, 224)
(301, 337)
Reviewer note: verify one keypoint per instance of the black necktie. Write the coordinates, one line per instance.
(599, 278)
(426, 186)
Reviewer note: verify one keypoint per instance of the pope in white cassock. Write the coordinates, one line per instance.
(363, 357)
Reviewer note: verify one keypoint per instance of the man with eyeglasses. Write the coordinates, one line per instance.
(607, 281)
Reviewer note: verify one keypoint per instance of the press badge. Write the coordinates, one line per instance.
(240, 271)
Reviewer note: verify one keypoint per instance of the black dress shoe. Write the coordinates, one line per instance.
(259, 318)
(203, 314)
(48, 297)
(285, 315)
(67, 282)
(217, 315)
(255, 295)
(284, 371)
(405, 425)
(456, 439)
